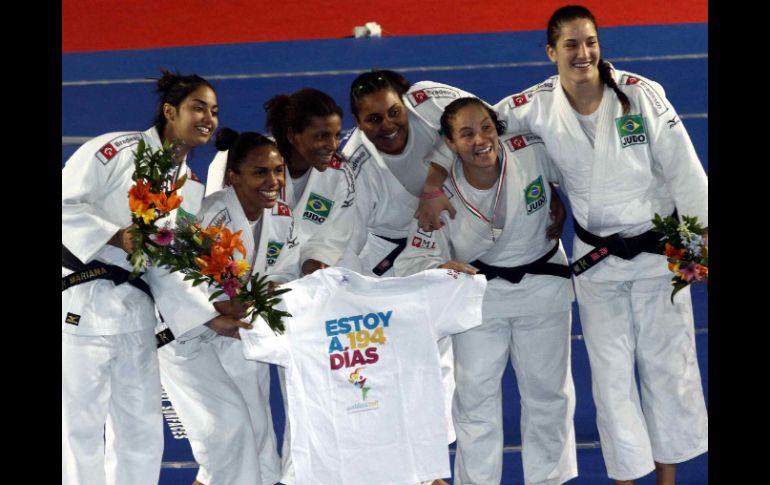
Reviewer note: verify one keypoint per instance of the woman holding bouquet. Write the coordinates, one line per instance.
(109, 360)
(222, 398)
(625, 156)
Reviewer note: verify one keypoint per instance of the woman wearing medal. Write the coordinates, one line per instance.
(500, 190)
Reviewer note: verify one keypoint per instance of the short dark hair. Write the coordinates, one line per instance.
(375, 81)
(239, 145)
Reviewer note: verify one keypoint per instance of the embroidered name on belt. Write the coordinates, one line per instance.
(83, 277)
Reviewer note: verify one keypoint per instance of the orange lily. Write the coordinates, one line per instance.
(166, 203)
(139, 197)
(231, 241)
(672, 252)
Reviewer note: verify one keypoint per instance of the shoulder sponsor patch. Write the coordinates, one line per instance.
(359, 157)
(281, 209)
(519, 99)
(222, 217)
(114, 146)
(273, 251)
(534, 196)
(631, 130)
(525, 97)
(317, 209)
(72, 319)
(657, 101)
(520, 141)
(421, 95)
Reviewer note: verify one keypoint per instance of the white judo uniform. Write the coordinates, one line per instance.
(363, 372)
(323, 213)
(388, 190)
(327, 196)
(109, 362)
(528, 321)
(638, 165)
(221, 398)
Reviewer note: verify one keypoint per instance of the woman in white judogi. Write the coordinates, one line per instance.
(319, 186)
(319, 189)
(625, 156)
(109, 362)
(500, 190)
(221, 398)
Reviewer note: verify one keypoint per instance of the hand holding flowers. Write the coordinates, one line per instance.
(686, 249)
(207, 256)
(152, 197)
(202, 255)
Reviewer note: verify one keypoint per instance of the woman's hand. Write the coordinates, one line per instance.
(430, 208)
(558, 215)
(233, 308)
(227, 326)
(459, 266)
(123, 240)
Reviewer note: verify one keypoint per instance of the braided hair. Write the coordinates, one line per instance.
(569, 13)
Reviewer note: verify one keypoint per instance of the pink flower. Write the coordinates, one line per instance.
(163, 237)
(690, 272)
(231, 286)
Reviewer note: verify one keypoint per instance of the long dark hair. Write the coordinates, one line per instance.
(569, 13)
(296, 111)
(173, 88)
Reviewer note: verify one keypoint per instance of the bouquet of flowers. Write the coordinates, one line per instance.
(202, 255)
(685, 249)
(152, 197)
(206, 256)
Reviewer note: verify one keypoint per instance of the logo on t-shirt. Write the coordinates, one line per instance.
(631, 130)
(359, 380)
(354, 342)
(317, 208)
(534, 195)
(273, 251)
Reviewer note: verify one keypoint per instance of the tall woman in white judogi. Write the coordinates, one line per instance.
(624, 155)
(221, 398)
(109, 362)
(500, 190)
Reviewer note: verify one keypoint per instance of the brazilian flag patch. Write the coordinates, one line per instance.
(631, 130)
(317, 208)
(273, 251)
(534, 195)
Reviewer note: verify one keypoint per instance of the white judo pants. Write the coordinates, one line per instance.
(111, 380)
(539, 349)
(222, 400)
(634, 322)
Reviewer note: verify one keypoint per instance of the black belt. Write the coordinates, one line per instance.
(388, 260)
(96, 270)
(622, 247)
(516, 273)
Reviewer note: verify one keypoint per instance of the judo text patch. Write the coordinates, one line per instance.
(317, 208)
(631, 130)
(534, 196)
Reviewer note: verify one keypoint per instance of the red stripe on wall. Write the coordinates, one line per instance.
(99, 25)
